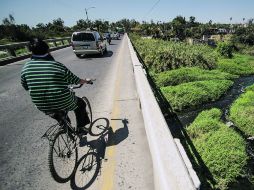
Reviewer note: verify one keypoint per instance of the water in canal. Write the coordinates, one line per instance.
(187, 116)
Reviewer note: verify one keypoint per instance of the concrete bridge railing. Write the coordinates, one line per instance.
(18, 51)
(171, 167)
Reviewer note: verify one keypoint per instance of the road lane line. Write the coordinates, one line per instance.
(109, 167)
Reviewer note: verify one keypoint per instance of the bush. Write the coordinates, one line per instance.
(161, 55)
(195, 93)
(225, 49)
(245, 49)
(205, 122)
(239, 65)
(242, 112)
(221, 149)
(183, 75)
(3, 54)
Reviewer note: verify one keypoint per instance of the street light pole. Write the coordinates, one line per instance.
(86, 9)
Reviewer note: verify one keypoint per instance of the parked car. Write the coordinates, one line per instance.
(88, 42)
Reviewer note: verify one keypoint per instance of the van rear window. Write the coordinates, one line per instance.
(83, 37)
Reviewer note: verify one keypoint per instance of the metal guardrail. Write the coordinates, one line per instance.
(171, 166)
(11, 49)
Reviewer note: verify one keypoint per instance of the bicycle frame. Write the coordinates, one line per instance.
(63, 125)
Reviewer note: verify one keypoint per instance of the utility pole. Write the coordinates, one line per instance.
(86, 9)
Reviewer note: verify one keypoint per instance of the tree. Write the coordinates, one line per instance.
(9, 21)
(192, 20)
(179, 27)
(124, 23)
(81, 25)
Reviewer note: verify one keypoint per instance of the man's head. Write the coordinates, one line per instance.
(39, 47)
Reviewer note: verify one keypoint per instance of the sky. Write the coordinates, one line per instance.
(32, 12)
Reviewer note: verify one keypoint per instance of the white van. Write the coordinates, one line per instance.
(88, 42)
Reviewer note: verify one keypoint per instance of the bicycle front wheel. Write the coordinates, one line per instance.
(62, 158)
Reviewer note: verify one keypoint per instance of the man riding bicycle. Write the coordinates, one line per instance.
(47, 81)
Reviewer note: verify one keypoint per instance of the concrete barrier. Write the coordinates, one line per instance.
(169, 167)
(12, 56)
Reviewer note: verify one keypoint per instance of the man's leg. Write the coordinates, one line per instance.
(81, 115)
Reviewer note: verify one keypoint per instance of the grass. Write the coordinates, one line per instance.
(51, 44)
(160, 55)
(66, 42)
(5, 41)
(189, 74)
(21, 51)
(221, 149)
(206, 122)
(59, 43)
(3, 54)
(242, 112)
(196, 93)
(239, 65)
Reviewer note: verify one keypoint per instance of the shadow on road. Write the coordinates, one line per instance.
(90, 57)
(114, 138)
(88, 166)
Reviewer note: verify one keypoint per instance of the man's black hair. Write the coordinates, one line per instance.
(38, 47)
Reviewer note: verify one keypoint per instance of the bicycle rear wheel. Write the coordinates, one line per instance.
(88, 109)
(99, 126)
(62, 158)
(87, 170)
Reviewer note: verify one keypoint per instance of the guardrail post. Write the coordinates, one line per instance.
(62, 42)
(55, 44)
(11, 52)
(69, 41)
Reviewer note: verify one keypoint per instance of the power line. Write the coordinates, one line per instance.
(151, 9)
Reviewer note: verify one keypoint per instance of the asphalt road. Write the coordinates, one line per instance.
(126, 163)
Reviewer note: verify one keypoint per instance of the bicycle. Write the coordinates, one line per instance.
(63, 143)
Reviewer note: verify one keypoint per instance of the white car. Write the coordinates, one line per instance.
(88, 42)
(115, 36)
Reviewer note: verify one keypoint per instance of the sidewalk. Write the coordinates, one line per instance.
(129, 164)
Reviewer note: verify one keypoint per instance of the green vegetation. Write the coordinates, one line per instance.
(21, 51)
(238, 65)
(12, 32)
(220, 147)
(189, 74)
(242, 112)
(205, 122)
(195, 93)
(248, 50)
(225, 49)
(177, 67)
(161, 55)
(3, 54)
(5, 41)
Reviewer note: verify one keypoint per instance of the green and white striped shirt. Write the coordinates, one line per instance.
(47, 82)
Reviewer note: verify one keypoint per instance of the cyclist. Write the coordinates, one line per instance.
(47, 81)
